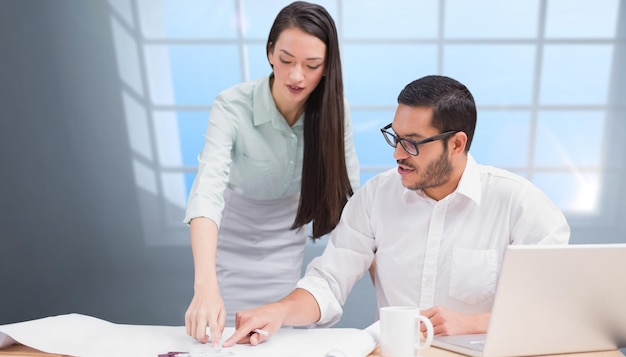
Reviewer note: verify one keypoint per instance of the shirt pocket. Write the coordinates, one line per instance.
(473, 275)
(253, 177)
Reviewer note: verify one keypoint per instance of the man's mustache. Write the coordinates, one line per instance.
(404, 163)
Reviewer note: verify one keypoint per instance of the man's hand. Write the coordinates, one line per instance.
(299, 308)
(449, 322)
(268, 318)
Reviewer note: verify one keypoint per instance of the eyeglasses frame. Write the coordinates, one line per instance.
(397, 139)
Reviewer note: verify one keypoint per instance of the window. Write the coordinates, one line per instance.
(543, 74)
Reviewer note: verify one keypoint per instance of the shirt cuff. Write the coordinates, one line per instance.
(330, 308)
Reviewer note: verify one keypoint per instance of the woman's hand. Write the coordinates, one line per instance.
(206, 309)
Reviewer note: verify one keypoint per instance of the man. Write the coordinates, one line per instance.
(435, 228)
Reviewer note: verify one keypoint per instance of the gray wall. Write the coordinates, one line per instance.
(70, 233)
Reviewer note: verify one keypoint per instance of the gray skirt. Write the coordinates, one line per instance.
(259, 258)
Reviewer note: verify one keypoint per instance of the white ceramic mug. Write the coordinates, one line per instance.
(400, 333)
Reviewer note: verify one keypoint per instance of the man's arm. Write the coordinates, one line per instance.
(449, 322)
(299, 308)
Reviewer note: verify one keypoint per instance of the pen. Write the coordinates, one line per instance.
(220, 353)
(261, 332)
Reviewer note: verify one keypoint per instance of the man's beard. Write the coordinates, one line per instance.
(436, 173)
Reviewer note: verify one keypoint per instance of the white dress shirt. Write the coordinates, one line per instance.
(428, 252)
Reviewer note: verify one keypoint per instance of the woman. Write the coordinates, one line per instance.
(278, 155)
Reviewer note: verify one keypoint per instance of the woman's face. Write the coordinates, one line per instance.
(298, 59)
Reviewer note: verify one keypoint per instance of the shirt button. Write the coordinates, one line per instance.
(290, 162)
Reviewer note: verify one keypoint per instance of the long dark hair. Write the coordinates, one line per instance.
(325, 185)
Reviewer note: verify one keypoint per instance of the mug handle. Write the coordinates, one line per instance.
(429, 333)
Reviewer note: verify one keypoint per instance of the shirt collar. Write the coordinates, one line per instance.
(263, 102)
(264, 108)
(469, 184)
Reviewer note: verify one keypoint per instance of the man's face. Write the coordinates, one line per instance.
(431, 168)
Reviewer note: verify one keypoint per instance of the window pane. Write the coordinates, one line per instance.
(375, 74)
(491, 19)
(189, 19)
(137, 127)
(576, 74)
(614, 143)
(258, 65)
(258, 16)
(174, 196)
(191, 128)
(581, 18)
(145, 177)
(189, 178)
(367, 174)
(185, 74)
(127, 56)
(495, 74)
(572, 192)
(180, 136)
(124, 9)
(371, 147)
(167, 139)
(411, 19)
(501, 138)
(569, 138)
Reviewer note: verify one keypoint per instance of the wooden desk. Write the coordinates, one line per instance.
(437, 352)
(19, 350)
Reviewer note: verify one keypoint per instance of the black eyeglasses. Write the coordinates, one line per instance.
(409, 145)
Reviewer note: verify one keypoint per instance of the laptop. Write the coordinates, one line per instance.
(553, 300)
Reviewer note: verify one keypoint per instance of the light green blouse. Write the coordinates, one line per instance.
(251, 149)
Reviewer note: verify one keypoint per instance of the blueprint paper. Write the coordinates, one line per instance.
(81, 335)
